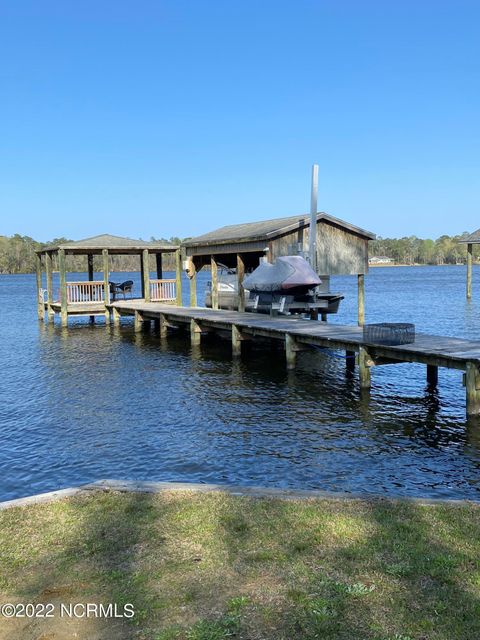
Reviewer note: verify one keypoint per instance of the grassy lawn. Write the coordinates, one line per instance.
(215, 566)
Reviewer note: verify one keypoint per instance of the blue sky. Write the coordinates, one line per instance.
(161, 118)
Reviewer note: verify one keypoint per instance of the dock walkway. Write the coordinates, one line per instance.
(298, 335)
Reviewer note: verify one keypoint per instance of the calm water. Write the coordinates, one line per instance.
(87, 403)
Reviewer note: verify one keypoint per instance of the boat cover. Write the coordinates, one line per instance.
(288, 272)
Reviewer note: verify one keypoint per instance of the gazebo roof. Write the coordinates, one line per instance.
(473, 238)
(114, 245)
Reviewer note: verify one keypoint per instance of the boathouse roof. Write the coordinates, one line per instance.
(270, 229)
(473, 238)
(114, 244)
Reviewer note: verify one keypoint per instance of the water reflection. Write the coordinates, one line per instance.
(88, 402)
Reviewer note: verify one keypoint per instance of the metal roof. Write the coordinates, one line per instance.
(473, 238)
(269, 229)
(112, 243)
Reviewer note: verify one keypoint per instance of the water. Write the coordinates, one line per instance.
(87, 403)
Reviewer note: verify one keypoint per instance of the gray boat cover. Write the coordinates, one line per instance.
(288, 272)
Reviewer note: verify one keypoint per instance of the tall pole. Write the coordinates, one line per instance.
(469, 270)
(313, 219)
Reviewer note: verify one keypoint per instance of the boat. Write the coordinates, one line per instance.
(288, 286)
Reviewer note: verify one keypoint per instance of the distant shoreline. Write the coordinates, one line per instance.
(389, 266)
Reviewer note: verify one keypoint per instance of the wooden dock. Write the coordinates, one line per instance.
(299, 335)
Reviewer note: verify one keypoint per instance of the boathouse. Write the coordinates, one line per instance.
(341, 248)
(91, 297)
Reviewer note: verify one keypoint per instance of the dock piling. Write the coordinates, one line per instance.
(469, 270)
(236, 341)
(364, 364)
(195, 332)
(290, 351)
(432, 375)
(138, 322)
(40, 303)
(472, 380)
(63, 287)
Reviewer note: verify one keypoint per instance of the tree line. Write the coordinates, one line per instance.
(17, 255)
(413, 250)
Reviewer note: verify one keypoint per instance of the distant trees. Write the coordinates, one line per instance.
(17, 253)
(413, 250)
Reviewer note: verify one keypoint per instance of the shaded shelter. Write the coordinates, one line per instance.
(92, 297)
(342, 249)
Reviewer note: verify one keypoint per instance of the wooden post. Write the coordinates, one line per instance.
(469, 270)
(49, 270)
(195, 332)
(159, 264)
(116, 317)
(106, 284)
(162, 329)
(138, 322)
(472, 384)
(240, 277)
(290, 351)
(90, 277)
(193, 284)
(350, 361)
(236, 341)
(63, 287)
(40, 303)
(432, 375)
(214, 268)
(178, 276)
(361, 299)
(324, 317)
(146, 275)
(364, 368)
(313, 314)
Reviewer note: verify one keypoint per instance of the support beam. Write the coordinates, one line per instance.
(469, 270)
(49, 271)
(138, 322)
(146, 275)
(162, 329)
(40, 304)
(364, 364)
(63, 287)
(214, 268)
(178, 276)
(361, 299)
(472, 383)
(195, 332)
(159, 265)
(350, 361)
(290, 351)
(240, 277)
(106, 284)
(314, 314)
(324, 317)
(192, 274)
(116, 317)
(432, 375)
(237, 339)
(90, 277)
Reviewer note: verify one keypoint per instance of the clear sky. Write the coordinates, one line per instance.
(161, 118)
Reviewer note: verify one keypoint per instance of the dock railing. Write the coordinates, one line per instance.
(82, 292)
(163, 290)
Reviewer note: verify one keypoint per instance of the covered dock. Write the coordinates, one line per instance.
(341, 249)
(92, 297)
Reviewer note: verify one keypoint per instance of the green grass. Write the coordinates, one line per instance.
(214, 566)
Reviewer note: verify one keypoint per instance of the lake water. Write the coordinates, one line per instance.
(88, 402)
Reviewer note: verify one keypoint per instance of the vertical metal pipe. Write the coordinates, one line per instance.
(469, 270)
(313, 219)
